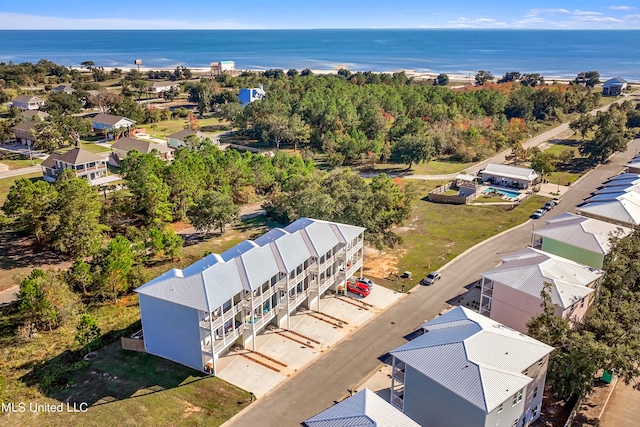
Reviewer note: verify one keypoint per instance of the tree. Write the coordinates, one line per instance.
(45, 299)
(79, 275)
(441, 80)
(583, 124)
(532, 80)
(544, 162)
(510, 76)
(88, 333)
(77, 213)
(588, 78)
(213, 210)
(48, 135)
(87, 64)
(411, 149)
(610, 137)
(292, 73)
(115, 263)
(29, 205)
(62, 104)
(483, 76)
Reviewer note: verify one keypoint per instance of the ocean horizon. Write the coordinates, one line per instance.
(552, 53)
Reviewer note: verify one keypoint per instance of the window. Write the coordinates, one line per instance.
(534, 412)
(500, 408)
(540, 362)
(582, 302)
(517, 397)
(535, 392)
(515, 422)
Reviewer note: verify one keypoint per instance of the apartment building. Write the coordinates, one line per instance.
(194, 315)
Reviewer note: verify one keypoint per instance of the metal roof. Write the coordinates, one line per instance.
(110, 119)
(508, 171)
(624, 176)
(614, 81)
(145, 147)
(586, 233)
(624, 209)
(216, 278)
(363, 409)
(633, 187)
(614, 194)
(528, 269)
(475, 357)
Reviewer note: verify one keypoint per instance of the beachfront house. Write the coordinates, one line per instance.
(27, 102)
(159, 87)
(24, 132)
(247, 96)
(510, 293)
(220, 67)
(195, 314)
(363, 409)
(578, 238)
(83, 163)
(109, 124)
(176, 140)
(469, 370)
(121, 148)
(509, 176)
(623, 209)
(614, 86)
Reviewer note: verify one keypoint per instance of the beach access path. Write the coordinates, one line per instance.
(343, 368)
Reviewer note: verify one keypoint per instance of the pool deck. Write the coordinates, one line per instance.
(521, 193)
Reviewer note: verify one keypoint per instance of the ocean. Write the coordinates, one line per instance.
(552, 53)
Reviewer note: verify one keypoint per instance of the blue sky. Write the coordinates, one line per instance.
(294, 14)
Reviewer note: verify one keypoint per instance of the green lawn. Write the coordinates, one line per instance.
(566, 174)
(437, 233)
(208, 124)
(21, 163)
(6, 183)
(434, 167)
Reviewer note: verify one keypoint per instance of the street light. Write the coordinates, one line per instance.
(558, 186)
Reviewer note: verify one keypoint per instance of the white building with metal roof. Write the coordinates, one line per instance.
(469, 370)
(363, 409)
(509, 176)
(195, 314)
(510, 293)
(624, 209)
(578, 238)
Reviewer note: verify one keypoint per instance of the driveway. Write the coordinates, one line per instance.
(329, 379)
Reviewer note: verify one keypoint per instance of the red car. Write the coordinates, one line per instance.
(358, 288)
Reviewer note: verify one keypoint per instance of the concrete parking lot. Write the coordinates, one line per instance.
(280, 354)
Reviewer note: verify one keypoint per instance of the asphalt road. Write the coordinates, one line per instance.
(350, 362)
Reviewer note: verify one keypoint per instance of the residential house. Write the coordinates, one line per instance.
(195, 314)
(27, 102)
(469, 370)
(108, 123)
(614, 86)
(220, 67)
(247, 96)
(176, 140)
(510, 293)
(24, 132)
(509, 176)
(33, 114)
(84, 163)
(363, 409)
(159, 87)
(578, 238)
(633, 166)
(63, 89)
(623, 209)
(121, 148)
(633, 187)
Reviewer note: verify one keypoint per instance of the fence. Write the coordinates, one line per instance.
(436, 196)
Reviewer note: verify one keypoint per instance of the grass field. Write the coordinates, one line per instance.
(6, 183)
(567, 174)
(167, 127)
(21, 163)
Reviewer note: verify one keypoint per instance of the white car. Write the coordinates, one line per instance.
(368, 282)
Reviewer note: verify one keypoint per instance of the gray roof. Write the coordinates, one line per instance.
(363, 409)
(624, 209)
(586, 233)
(473, 356)
(26, 126)
(164, 84)
(215, 279)
(28, 98)
(109, 119)
(77, 156)
(616, 81)
(127, 144)
(181, 135)
(528, 269)
(508, 171)
(30, 114)
(627, 188)
(613, 194)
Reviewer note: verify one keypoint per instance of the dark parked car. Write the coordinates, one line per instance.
(431, 278)
(358, 288)
(539, 213)
(549, 205)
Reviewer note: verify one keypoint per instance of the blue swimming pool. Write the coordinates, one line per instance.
(512, 194)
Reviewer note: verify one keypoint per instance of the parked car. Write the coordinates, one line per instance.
(549, 205)
(368, 282)
(557, 200)
(538, 214)
(358, 288)
(431, 278)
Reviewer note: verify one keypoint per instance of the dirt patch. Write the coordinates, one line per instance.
(380, 264)
(554, 412)
(189, 409)
(592, 405)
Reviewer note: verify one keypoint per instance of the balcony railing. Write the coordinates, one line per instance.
(485, 310)
(487, 291)
(397, 398)
(399, 374)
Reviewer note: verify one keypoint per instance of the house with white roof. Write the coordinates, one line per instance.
(469, 370)
(363, 409)
(509, 176)
(510, 293)
(159, 87)
(176, 140)
(248, 95)
(108, 123)
(578, 238)
(614, 86)
(623, 209)
(27, 102)
(628, 188)
(195, 314)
